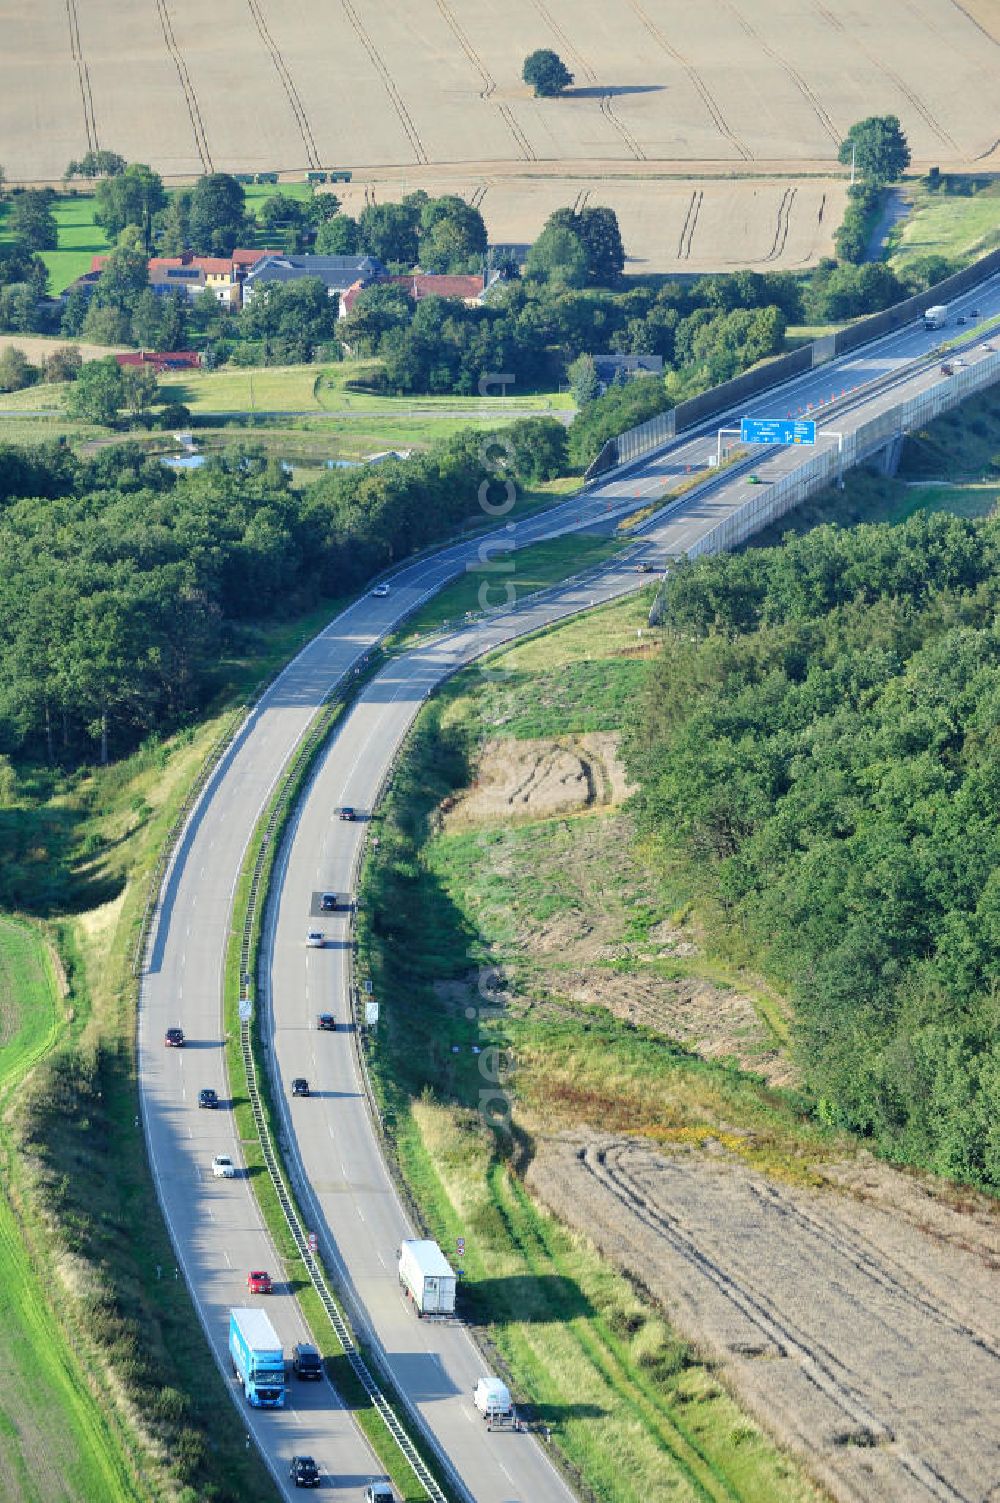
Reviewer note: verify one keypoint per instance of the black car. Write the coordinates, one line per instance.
(306, 1361)
(304, 1472)
(347, 812)
(300, 1086)
(328, 902)
(208, 1098)
(174, 1038)
(327, 1022)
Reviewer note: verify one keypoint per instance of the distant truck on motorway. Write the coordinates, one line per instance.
(258, 1360)
(936, 317)
(427, 1278)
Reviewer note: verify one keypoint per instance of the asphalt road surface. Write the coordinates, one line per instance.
(215, 1224)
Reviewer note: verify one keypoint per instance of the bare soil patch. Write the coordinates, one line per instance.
(538, 779)
(713, 1022)
(862, 1328)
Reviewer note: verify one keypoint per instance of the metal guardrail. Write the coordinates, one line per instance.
(318, 1280)
(788, 491)
(156, 876)
(310, 743)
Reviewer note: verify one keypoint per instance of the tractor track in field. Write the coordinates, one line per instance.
(389, 83)
(83, 73)
(190, 97)
(606, 105)
(866, 1338)
(807, 93)
(690, 224)
(699, 84)
(930, 120)
(287, 83)
(783, 225)
(488, 81)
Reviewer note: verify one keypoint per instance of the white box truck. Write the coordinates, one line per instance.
(492, 1399)
(936, 317)
(427, 1278)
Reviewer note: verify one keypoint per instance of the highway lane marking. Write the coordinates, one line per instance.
(229, 1261)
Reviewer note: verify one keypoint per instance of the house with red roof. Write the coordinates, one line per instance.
(421, 284)
(161, 360)
(223, 276)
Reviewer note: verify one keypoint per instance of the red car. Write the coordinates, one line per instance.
(259, 1282)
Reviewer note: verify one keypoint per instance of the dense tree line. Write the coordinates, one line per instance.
(820, 740)
(122, 581)
(535, 330)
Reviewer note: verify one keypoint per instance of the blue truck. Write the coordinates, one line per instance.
(258, 1360)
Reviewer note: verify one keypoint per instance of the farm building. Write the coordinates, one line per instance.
(160, 361)
(611, 368)
(337, 273)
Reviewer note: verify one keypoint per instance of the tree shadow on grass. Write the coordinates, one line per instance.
(39, 856)
(542, 1299)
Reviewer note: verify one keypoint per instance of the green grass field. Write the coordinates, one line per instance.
(56, 1441)
(79, 239)
(528, 570)
(304, 413)
(955, 225)
(324, 390)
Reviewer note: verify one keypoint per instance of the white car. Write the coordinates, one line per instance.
(223, 1167)
(315, 939)
(380, 591)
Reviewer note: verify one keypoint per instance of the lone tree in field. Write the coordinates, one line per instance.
(546, 72)
(879, 149)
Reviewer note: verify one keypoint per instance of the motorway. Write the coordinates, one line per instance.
(215, 1225)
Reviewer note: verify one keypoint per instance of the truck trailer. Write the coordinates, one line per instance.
(427, 1277)
(936, 317)
(258, 1360)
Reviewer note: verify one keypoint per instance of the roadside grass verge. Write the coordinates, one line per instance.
(628, 1403)
(444, 913)
(960, 225)
(529, 569)
(59, 1440)
(81, 1169)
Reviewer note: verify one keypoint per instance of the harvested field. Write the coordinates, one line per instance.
(668, 224)
(662, 89)
(38, 347)
(861, 1328)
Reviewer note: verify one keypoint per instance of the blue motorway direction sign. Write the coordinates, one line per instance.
(776, 431)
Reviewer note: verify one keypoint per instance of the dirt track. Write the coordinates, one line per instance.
(862, 1328)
